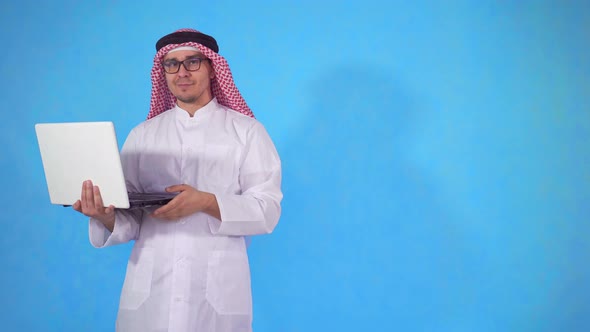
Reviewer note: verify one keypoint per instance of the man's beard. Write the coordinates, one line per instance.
(188, 100)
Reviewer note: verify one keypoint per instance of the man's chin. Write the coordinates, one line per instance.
(187, 100)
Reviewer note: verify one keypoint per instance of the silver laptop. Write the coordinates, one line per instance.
(73, 152)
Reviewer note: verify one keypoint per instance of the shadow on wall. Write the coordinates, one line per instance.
(378, 243)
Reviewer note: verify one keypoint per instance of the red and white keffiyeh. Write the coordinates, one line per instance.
(222, 86)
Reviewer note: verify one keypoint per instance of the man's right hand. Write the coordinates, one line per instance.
(91, 205)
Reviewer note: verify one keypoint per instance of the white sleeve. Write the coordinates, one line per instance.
(126, 229)
(127, 222)
(258, 208)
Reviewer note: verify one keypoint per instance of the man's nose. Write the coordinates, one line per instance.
(182, 71)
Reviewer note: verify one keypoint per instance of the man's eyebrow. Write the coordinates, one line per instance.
(195, 56)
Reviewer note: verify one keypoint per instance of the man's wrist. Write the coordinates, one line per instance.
(212, 207)
(108, 223)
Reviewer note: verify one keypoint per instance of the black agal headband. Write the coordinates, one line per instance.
(188, 36)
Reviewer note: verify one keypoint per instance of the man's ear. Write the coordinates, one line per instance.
(211, 70)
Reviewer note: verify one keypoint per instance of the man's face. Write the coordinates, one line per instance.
(190, 87)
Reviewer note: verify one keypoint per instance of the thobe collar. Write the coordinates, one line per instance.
(182, 114)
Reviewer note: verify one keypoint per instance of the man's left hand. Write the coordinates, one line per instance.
(189, 201)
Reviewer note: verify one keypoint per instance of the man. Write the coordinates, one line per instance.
(188, 269)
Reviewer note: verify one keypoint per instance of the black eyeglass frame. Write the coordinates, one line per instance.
(178, 63)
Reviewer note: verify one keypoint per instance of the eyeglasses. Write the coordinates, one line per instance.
(190, 64)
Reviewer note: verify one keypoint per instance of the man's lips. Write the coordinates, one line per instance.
(184, 84)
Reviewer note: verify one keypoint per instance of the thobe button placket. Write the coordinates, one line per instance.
(181, 263)
(180, 279)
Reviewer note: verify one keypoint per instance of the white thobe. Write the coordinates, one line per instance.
(193, 274)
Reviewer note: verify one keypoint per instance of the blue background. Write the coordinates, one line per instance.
(436, 158)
